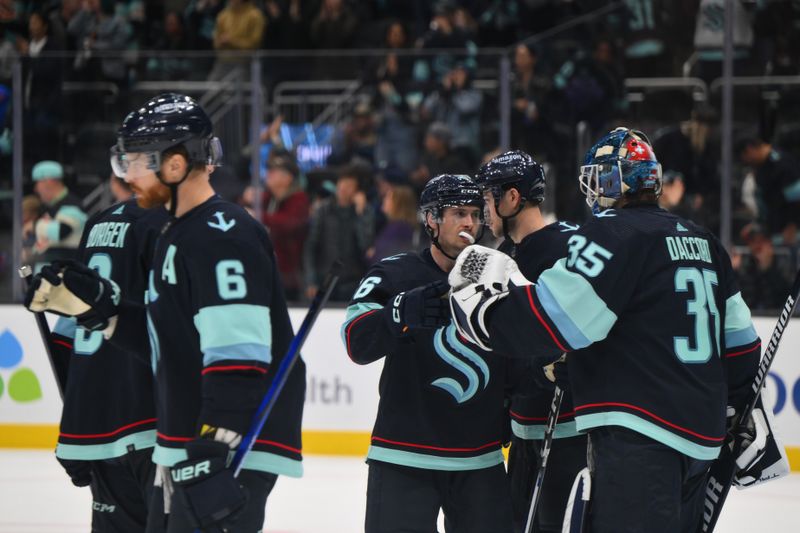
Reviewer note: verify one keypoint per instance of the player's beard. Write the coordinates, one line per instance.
(156, 196)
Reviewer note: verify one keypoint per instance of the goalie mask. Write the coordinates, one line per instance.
(448, 190)
(621, 163)
(168, 121)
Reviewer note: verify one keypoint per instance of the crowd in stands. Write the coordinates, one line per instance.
(419, 111)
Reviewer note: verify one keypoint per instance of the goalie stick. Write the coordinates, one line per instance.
(59, 368)
(723, 469)
(292, 354)
(552, 419)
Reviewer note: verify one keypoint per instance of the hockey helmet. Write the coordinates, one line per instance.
(513, 169)
(621, 163)
(169, 120)
(449, 190)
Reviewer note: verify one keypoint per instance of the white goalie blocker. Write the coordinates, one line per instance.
(763, 456)
(480, 278)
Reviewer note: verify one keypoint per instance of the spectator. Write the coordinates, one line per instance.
(31, 210)
(444, 34)
(764, 284)
(59, 19)
(58, 231)
(171, 38)
(240, 26)
(42, 110)
(437, 157)
(96, 27)
(401, 232)
(201, 17)
(284, 212)
(674, 200)
(288, 24)
(778, 186)
(396, 144)
(531, 130)
(334, 26)
(458, 105)
(341, 229)
(357, 139)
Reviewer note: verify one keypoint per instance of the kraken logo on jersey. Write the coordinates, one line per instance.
(449, 347)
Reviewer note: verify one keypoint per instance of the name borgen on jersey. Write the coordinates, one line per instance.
(109, 408)
(217, 315)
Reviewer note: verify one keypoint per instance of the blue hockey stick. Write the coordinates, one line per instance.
(282, 375)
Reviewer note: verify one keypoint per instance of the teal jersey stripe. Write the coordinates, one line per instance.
(223, 328)
(431, 462)
(536, 431)
(109, 450)
(738, 322)
(251, 352)
(66, 326)
(255, 460)
(657, 433)
(272, 463)
(792, 192)
(580, 315)
(354, 311)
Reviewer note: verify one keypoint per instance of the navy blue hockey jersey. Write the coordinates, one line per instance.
(219, 328)
(668, 340)
(441, 405)
(109, 408)
(530, 406)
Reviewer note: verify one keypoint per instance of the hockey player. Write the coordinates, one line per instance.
(513, 185)
(218, 325)
(667, 340)
(108, 424)
(437, 439)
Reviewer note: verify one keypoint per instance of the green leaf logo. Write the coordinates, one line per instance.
(24, 386)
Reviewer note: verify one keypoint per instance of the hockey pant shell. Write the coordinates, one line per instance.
(640, 485)
(250, 519)
(406, 499)
(121, 491)
(567, 458)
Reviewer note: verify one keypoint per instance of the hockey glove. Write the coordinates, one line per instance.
(205, 487)
(553, 374)
(763, 457)
(80, 472)
(423, 307)
(481, 278)
(69, 288)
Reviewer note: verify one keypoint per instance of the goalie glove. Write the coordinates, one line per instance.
(480, 278)
(763, 457)
(69, 288)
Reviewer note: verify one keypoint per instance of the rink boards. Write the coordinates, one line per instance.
(341, 397)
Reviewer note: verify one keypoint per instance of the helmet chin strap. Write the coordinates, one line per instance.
(505, 220)
(173, 189)
(435, 241)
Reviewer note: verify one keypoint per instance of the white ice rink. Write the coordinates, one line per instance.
(36, 497)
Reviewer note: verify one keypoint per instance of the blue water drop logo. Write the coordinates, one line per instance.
(10, 350)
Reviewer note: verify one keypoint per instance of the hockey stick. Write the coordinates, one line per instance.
(59, 368)
(720, 475)
(552, 419)
(282, 375)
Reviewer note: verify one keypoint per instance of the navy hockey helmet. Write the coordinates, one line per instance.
(167, 121)
(513, 169)
(449, 190)
(622, 162)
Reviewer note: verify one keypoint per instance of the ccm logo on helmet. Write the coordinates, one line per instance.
(190, 472)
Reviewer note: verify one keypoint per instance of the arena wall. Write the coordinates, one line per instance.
(341, 397)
